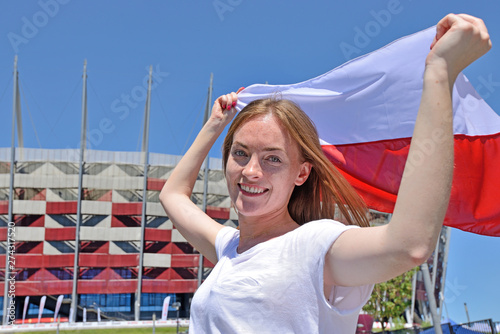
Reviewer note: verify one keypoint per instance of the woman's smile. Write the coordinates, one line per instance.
(252, 190)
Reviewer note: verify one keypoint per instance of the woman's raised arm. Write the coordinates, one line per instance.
(197, 227)
(370, 255)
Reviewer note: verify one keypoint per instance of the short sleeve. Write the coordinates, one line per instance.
(321, 235)
(224, 238)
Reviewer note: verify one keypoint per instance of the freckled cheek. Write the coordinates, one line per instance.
(231, 178)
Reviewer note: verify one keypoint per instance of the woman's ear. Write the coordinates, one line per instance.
(305, 170)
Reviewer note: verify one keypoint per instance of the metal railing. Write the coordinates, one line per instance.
(483, 326)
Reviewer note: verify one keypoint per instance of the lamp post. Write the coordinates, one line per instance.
(177, 306)
(467, 312)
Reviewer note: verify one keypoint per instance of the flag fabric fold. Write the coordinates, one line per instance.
(365, 112)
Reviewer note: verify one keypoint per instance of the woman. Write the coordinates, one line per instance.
(290, 268)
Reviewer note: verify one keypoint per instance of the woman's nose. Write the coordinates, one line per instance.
(252, 169)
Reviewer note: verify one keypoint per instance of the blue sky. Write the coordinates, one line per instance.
(241, 42)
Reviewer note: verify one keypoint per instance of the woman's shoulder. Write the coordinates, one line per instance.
(322, 230)
(226, 236)
(326, 224)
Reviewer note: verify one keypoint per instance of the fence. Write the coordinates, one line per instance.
(483, 326)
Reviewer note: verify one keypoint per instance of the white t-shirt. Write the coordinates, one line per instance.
(276, 286)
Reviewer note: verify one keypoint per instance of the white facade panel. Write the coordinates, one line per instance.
(46, 181)
(128, 182)
(157, 260)
(125, 233)
(96, 207)
(97, 182)
(4, 180)
(27, 233)
(28, 207)
(93, 233)
(155, 209)
(112, 233)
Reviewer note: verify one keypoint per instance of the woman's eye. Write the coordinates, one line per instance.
(274, 159)
(239, 153)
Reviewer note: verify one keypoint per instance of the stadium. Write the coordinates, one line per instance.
(45, 214)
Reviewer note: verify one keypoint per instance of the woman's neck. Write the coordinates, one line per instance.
(255, 230)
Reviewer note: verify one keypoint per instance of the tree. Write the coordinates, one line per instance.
(390, 299)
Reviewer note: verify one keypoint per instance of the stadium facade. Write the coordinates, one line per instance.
(45, 215)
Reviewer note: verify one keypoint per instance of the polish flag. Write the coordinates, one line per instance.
(365, 112)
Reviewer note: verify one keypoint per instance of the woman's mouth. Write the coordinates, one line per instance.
(252, 190)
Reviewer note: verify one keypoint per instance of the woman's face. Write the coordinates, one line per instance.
(263, 167)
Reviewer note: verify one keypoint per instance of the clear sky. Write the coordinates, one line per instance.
(241, 42)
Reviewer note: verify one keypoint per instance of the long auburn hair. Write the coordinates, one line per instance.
(325, 190)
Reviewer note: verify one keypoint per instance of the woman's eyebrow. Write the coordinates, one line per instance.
(267, 149)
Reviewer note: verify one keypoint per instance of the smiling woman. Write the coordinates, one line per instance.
(290, 268)
(278, 179)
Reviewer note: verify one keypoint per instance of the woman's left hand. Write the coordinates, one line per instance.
(460, 39)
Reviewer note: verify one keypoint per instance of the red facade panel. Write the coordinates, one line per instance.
(184, 260)
(59, 208)
(155, 184)
(37, 288)
(43, 261)
(169, 286)
(58, 234)
(127, 208)
(218, 213)
(112, 261)
(154, 234)
(57, 287)
(4, 207)
(107, 286)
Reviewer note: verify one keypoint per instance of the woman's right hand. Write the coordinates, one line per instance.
(223, 110)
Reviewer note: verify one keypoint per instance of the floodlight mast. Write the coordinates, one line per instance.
(16, 113)
(83, 143)
(206, 171)
(145, 159)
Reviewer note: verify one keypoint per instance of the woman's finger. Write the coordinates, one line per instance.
(443, 26)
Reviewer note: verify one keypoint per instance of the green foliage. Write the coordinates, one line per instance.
(390, 299)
